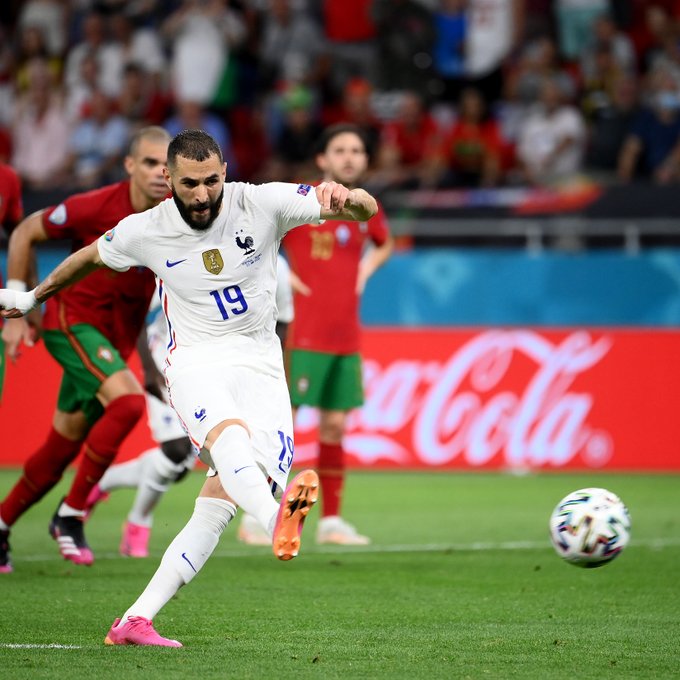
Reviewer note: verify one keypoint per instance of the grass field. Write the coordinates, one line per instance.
(460, 582)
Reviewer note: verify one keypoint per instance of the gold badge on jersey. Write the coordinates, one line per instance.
(213, 261)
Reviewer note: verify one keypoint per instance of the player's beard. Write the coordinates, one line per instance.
(187, 212)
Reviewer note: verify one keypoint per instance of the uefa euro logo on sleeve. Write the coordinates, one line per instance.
(304, 189)
(108, 236)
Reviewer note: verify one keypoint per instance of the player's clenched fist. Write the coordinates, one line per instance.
(14, 303)
(332, 196)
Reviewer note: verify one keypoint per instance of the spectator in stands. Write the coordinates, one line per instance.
(32, 45)
(607, 38)
(574, 19)
(650, 31)
(201, 34)
(141, 100)
(292, 48)
(537, 61)
(133, 45)
(98, 144)
(126, 45)
(404, 40)
(552, 139)
(603, 74)
(610, 126)
(652, 148)
(356, 108)
(78, 95)
(40, 132)
(470, 153)
(448, 51)
(667, 58)
(93, 42)
(192, 115)
(295, 144)
(350, 33)
(7, 87)
(494, 29)
(406, 144)
(49, 17)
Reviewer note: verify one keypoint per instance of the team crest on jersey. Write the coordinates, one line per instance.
(212, 260)
(342, 234)
(304, 189)
(58, 215)
(105, 354)
(246, 244)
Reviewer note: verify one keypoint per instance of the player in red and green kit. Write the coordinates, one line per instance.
(323, 364)
(11, 213)
(91, 329)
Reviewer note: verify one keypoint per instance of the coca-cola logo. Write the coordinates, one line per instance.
(506, 396)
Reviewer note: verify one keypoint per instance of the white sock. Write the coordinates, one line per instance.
(65, 510)
(125, 475)
(242, 478)
(3, 526)
(156, 476)
(185, 556)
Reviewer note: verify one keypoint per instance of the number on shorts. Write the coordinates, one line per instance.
(286, 455)
(232, 296)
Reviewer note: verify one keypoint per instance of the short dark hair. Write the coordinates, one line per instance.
(330, 133)
(154, 133)
(196, 145)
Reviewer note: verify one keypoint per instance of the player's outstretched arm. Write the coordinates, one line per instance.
(14, 304)
(340, 203)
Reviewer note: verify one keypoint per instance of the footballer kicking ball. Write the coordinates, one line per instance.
(590, 527)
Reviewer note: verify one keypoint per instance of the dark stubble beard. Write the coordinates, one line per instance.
(186, 212)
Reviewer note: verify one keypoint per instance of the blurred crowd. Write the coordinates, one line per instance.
(464, 93)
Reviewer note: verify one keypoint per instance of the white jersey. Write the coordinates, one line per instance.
(221, 282)
(284, 292)
(489, 36)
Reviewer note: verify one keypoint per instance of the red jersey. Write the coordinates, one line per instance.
(326, 257)
(414, 143)
(11, 208)
(115, 303)
(468, 144)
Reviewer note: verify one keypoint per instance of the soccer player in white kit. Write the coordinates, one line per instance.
(154, 470)
(213, 247)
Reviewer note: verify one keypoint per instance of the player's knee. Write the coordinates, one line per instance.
(177, 450)
(332, 426)
(332, 432)
(128, 409)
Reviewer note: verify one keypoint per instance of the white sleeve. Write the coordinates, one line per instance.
(290, 204)
(121, 247)
(284, 291)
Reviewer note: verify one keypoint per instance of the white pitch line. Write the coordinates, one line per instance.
(481, 546)
(13, 645)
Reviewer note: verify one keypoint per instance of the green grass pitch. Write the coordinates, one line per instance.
(460, 582)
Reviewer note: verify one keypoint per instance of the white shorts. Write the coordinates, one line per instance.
(244, 381)
(163, 421)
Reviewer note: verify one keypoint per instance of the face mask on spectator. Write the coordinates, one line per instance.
(667, 100)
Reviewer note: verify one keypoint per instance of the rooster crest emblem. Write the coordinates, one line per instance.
(212, 260)
(247, 244)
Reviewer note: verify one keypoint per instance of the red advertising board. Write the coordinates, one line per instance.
(461, 399)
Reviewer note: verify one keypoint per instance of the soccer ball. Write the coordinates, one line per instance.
(590, 527)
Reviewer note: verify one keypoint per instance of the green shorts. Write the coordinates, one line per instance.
(88, 359)
(332, 382)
